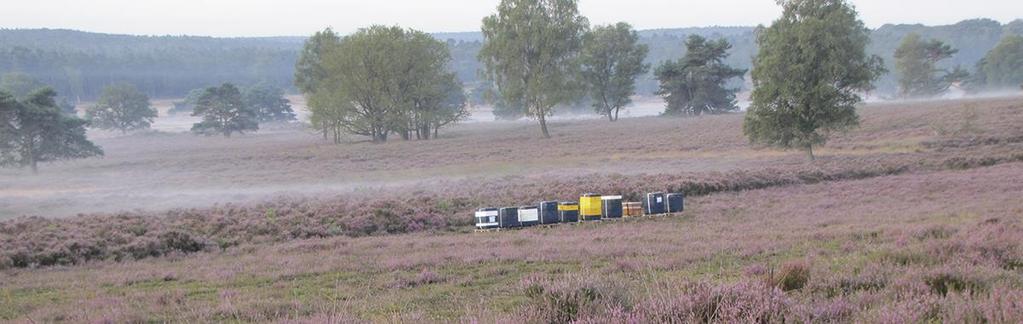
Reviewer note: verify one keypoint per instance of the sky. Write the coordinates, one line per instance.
(303, 17)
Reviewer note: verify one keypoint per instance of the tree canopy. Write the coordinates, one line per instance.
(224, 112)
(696, 83)
(530, 52)
(916, 62)
(809, 72)
(612, 58)
(121, 107)
(1002, 67)
(378, 81)
(34, 130)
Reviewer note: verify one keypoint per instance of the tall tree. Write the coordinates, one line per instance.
(1002, 67)
(808, 74)
(34, 130)
(695, 84)
(530, 52)
(916, 62)
(121, 107)
(612, 58)
(268, 102)
(223, 112)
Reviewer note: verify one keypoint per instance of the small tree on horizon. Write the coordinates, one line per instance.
(530, 51)
(121, 107)
(35, 130)
(380, 81)
(223, 112)
(269, 103)
(695, 84)
(916, 62)
(1002, 67)
(808, 74)
(612, 58)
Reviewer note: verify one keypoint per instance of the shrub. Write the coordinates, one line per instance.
(793, 275)
(944, 282)
(563, 301)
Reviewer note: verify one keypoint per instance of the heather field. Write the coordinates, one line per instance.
(913, 217)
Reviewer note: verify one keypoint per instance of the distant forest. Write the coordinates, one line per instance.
(79, 64)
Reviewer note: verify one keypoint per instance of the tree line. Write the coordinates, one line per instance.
(79, 64)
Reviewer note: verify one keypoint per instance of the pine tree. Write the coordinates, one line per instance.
(35, 130)
(223, 112)
(695, 84)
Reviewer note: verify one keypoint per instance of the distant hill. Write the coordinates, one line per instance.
(79, 64)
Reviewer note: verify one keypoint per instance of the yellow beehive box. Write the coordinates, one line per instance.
(589, 207)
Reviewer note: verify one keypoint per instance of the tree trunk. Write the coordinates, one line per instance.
(543, 126)
(809, 152)
(616, 113)
(30, 154)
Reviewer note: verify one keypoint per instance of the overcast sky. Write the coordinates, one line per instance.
(303, 17)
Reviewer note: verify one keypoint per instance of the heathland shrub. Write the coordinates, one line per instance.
(792, 276)
(946, 281)
(564, 300)
(744, 302)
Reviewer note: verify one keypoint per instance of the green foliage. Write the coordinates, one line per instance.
(811, 65)
(309, 70)
(696, 83)
(1002, 67)
(612, 58)
(223, 112)
(916, 60)
(530, 52)
(268, 102)
(34, 130)
(381, 80)
(121, 107)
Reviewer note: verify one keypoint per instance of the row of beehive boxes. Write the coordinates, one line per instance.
(590, 207)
